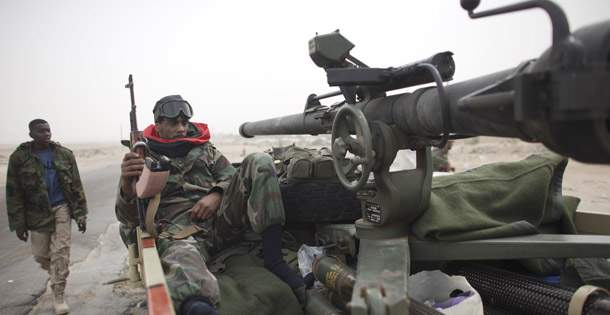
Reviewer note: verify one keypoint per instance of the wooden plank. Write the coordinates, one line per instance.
(157, 294)
(592, 222)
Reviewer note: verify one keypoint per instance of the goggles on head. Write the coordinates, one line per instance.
(172, 108)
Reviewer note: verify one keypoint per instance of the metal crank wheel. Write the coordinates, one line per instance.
(361, 147)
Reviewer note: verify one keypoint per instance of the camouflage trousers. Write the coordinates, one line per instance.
(252, 202)
(52, 249)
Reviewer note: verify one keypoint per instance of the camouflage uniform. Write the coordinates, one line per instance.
(28, 204)
(440, 159)
(251, 202)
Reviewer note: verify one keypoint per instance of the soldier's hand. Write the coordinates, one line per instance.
(206, 206)
(82, 226)
(131, 167)
(22, 233)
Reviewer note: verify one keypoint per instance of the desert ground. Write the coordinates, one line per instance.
(589, 182)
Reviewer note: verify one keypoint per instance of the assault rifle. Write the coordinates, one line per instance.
(155, 171)
(144, 252)
(561, 99)
(138, 145)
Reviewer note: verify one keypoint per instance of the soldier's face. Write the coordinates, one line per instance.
(41, 133)
(174, 128)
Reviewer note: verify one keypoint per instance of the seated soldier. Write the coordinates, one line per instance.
(440, 158)
(204, 189)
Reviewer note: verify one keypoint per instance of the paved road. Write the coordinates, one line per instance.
(96, 257)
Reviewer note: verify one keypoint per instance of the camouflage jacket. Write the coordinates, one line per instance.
(440, 159)
(27, 199)
(191, 177)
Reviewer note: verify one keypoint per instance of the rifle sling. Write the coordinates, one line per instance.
(181, 233)
(151, 211)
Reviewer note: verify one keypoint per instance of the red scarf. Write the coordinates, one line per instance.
(197, 133)
(151, 133)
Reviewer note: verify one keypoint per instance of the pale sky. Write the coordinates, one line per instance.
(67, 61)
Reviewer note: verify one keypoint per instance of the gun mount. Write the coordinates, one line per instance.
(560, 99)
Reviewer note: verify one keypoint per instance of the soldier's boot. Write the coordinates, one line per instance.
(59, 299)
(274, 262)
(197, 305)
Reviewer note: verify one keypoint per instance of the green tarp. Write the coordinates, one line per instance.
(499, 200)
(247, 288)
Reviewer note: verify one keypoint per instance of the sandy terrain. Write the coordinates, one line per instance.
(589, 182)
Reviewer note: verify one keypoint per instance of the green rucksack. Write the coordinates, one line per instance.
(296, 164)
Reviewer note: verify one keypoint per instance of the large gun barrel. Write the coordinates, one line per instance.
(561, 99)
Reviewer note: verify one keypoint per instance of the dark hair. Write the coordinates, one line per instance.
(35, 122)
